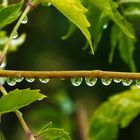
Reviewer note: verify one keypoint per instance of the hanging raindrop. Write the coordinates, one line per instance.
(30, 80)
(15, 35)
(137, 83)
(25, 20)
(44, 80)
(3, 65)
(76, 81)
(106, 81)
(11, 81)
(2, 80)
(117, 80)
(127, 82)
(90, 81)
(19, 79)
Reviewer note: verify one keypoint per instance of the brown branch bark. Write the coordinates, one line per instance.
(69, 74)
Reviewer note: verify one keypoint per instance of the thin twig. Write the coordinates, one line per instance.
(6, 47)
(82, 121)
(69, 74)
(19, 115)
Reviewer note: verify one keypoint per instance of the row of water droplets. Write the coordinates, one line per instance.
(105, 81)
(90, 81)
(24, 21)
(12, 81)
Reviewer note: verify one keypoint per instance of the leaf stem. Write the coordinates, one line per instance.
(6, 47)
(69, 74)
(19, 115)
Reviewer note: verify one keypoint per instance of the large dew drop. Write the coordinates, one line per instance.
(25, 20)
(19, 79)
(106, 81)
(15, 35)
(137, 83)
(30, 80)
(11, 81)
(117, 80)
(127, 82)
(76, 81)
(90, 81)
(44, 80)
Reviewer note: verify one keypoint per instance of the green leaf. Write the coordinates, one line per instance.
(98, 20)
(114, 41)
(125, 45)
(130, 1)
(75, 12)
(118, 111)
(132, 12)
(109, 8)
(17, 99)
(2, 136)
(10, 14)
(14, 45)
(71, 30)
(50, 133)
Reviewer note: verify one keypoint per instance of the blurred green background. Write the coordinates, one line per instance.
(67, 106)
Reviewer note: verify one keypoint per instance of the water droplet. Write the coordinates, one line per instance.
(90, 81)
(76, 81)
(137, 83)
(2, 80)
(49, 4)
(44, 80)
(127, 82)
(11, 81)
(40, 99)
(3, 65)
(15, 35)
(19, 79)
(117, 80)
(105, 26)
(106, 81)
(30, 80)
(25, 20)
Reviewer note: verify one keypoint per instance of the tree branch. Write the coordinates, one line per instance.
(69, 74)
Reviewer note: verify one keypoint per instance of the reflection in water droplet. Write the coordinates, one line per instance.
(76, 81)
(25, 20)
(30, 80)
(127, 82)
(2, 80)
(106, 81)
(11, 81)
(19, 79)
(137, 83)
(15, 35)
(105, 26)
(90, 81)
(117, 80)
(3, 65)
(44, 80)
(49, 4)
